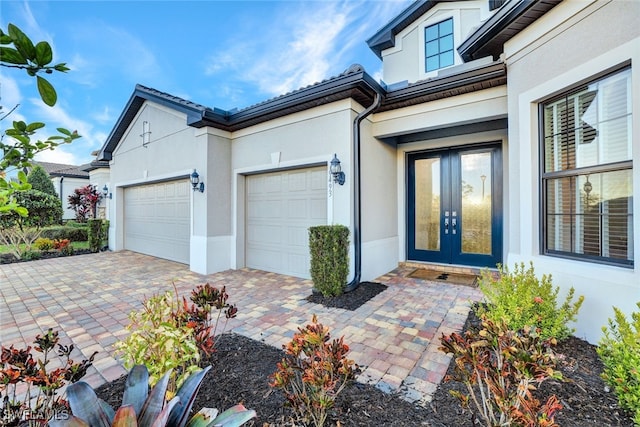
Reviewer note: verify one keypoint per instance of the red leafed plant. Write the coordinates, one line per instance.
(41, 400)
(205, 299)
(83, 201)
(500, 368)
(313, 372)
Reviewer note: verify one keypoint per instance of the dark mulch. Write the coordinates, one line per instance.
(351, 301)
(10, 259)
(241, 369)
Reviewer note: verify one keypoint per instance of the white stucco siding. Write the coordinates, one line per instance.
(300, 140)
(473, 107)
(406, 60)
(574, 43)
(65, 186)
(379, 198)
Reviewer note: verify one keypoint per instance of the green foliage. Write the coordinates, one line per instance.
(40, 180)
(144, 408)
(329, 247)
(313, 372)
(169, 334)
(620, 353)
(32, 58)
(95, 234)
(43, 244)
(521, 299)
(105, 233)
(18, 51)
(20, 372)
(499, 368)
(73, 233)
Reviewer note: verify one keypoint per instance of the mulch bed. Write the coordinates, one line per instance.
(10, 259)
(242, 366)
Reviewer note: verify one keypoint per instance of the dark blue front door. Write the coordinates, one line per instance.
(455, 206)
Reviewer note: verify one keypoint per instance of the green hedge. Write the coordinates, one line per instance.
(329, 247)
(75, 234)
(95, 234)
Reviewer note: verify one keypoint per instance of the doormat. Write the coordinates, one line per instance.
(445, 276)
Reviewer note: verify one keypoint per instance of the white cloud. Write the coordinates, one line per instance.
(10, 97)
(312, 41)
(59, 155)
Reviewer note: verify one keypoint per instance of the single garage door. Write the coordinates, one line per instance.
(281, 206)
(156, 219)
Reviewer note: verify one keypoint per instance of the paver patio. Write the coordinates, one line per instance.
(88, 298)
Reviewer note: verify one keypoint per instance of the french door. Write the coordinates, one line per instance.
(455, 206)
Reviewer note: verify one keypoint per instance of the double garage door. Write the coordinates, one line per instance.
(281, 206)
(156, 219)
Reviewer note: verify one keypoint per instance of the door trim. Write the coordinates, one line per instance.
(452, 254)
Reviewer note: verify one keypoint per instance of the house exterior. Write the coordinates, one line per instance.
(504, 132)
(65, 179)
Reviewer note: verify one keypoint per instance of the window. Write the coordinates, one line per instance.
(587, 193)
(439, 45)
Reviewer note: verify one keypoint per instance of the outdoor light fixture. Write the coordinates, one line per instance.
(336, 170)
(195, 182)
(105, 192)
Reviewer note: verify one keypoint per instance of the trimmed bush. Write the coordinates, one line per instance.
(43, 244)
(95, 234)
(105, 233)
(329, 247)
(521, 299)
(75, 234)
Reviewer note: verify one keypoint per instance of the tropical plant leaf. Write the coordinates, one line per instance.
(136, 388)
(12, 56)
(155, 401)
(187, 393)
(85, 405)
(47, 92)
(44, 54)
(125, 417)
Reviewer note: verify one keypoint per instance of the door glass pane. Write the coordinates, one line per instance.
(474, 224)
(427, 197)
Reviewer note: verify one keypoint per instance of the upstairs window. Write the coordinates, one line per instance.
(438, 45)
(587, 190)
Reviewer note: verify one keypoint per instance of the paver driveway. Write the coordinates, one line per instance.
(88, 298)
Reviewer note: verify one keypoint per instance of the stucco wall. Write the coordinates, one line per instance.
(299, 140)
(68, 186)
(406, 60)
(576, 41)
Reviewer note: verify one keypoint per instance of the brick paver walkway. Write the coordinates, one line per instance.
(88, 298)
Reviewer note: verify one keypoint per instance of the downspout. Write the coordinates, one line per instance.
(357, 220)
(61, 197)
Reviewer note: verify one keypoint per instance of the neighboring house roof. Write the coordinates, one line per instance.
(509, 20)
(60, 169)
(96, 164)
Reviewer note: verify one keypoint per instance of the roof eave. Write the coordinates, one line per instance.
(501, 26)
(139, 96)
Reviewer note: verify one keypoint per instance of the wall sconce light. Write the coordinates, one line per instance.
(195, 182)
(105, 192)
(336, 170)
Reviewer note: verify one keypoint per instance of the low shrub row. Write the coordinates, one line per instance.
(61, 232)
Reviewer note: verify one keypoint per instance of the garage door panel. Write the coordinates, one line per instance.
(157, 220)
(281, 206)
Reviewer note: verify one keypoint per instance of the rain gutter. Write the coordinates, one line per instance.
(357, 217)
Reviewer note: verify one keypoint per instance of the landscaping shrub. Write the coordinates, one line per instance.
(171, 334)
(95, 235)
(83, 201)
(499, 368)
(329, 247)
(105, 233)
(19, 232)
(521, 299)
(313, 372)
(144, 408)
(74, 233)
(43, 244)
(19, 368)
(63, 246)
(41, 181)
(620, 353)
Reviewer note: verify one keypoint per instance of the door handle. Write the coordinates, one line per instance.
(454, 223)
(446, 226)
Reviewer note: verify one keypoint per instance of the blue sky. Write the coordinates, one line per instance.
(225, 54)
